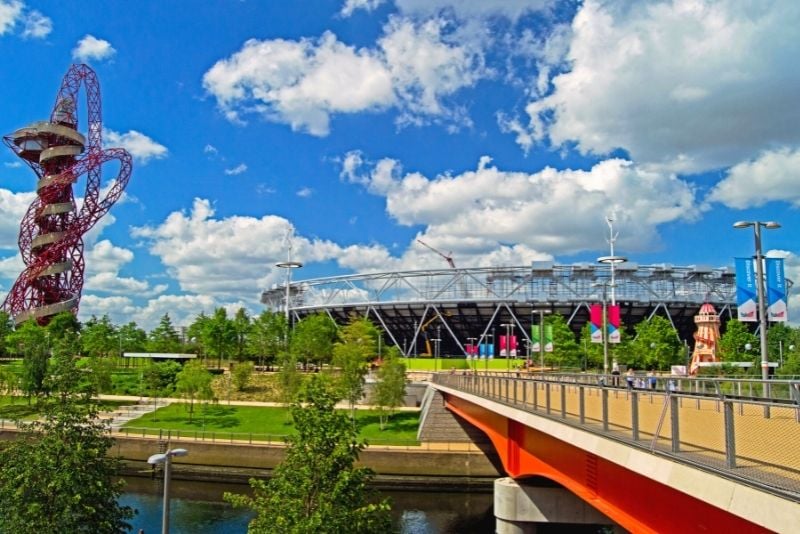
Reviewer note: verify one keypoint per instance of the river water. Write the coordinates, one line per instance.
(197, 508)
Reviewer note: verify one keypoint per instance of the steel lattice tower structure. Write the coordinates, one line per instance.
(51, 232)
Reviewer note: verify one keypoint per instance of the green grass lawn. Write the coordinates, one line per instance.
(239, 422)
(446, 364)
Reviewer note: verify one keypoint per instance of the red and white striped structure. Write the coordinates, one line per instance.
(51, 232)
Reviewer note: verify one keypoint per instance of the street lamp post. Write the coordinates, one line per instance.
(166, 459)
(762, 312)
(541, 313)
(486, 360)
(611, 260)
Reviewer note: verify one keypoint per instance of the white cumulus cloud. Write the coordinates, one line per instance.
(350, 6)
(91, 48)
(527, 209)
(773, 176)
(303, 83)
(37, 26)
(140, 146)
(685, 84)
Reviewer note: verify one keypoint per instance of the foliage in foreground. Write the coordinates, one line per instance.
(316, 488)
(56, 475)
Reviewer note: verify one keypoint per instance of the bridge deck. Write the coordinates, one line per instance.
(732, 437)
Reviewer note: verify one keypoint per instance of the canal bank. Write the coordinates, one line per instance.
(431, 466)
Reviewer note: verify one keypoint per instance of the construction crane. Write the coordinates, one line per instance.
(447, 257)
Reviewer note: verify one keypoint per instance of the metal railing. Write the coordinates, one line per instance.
(720, 425)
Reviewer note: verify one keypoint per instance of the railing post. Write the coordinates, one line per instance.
(730, 436)
(604, 395)
(635, 415)
(535, 396)
(547, 397)
(581, 405)
(563, 401)
(674, 423)
(524, 391)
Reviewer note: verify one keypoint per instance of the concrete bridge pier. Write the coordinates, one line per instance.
(519, 507)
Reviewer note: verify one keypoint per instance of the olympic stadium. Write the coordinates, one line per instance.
(459, 306)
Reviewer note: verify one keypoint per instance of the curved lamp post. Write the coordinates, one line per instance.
(166, 459)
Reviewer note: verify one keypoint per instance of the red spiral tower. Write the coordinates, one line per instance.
(51, 232)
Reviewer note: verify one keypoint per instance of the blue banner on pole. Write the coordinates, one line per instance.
(776, 290)
(746, 292)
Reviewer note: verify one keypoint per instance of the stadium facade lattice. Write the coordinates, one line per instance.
(467, 305)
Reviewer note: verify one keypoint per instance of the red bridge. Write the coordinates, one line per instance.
(686, 456)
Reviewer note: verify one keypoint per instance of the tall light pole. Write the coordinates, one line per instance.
(611, 260)
(541, 313)
(762, 312)
(166, 459)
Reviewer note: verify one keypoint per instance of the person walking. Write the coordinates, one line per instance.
(629, 377)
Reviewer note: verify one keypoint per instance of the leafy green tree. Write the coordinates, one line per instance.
(100, 338)
(31, 341)
(62, 324)
(656, 345)
(391, 385)
(197, 335)
(9, 382)
(312, 339)
(6, 328)
(98, 371)
(132, 338)
(566, 351)
(219, 335)
(164, 338)
(359, 341)
(57, 475)
(268, 336)
(289, 379)
(241, 330)
(594, 351)
(317, 488)
(733, 343)
(194, 382)
(159, 379)
(242, 373)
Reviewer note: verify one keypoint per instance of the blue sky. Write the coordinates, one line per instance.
(504, 131)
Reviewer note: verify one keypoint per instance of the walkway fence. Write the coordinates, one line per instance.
(748, 430)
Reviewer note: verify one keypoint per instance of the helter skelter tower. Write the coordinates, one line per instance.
(706, 339)
(51, 232)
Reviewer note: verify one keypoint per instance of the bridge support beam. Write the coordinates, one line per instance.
(519, 507)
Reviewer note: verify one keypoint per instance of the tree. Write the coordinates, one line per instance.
(289, 379)
(100, 338)
(656, 345)
(733, 343)
(132, 338)
(312, 339)
(6, 328)
(268, 336)
(57, 472)
(164, 338)
(566, 351)
(317, 488)
(218, 335)
(194, 382)
(30, 341)
(391, 385)
(62, 324)
(242, 374)
(241, 330)
(159, 379)
(358, 344)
